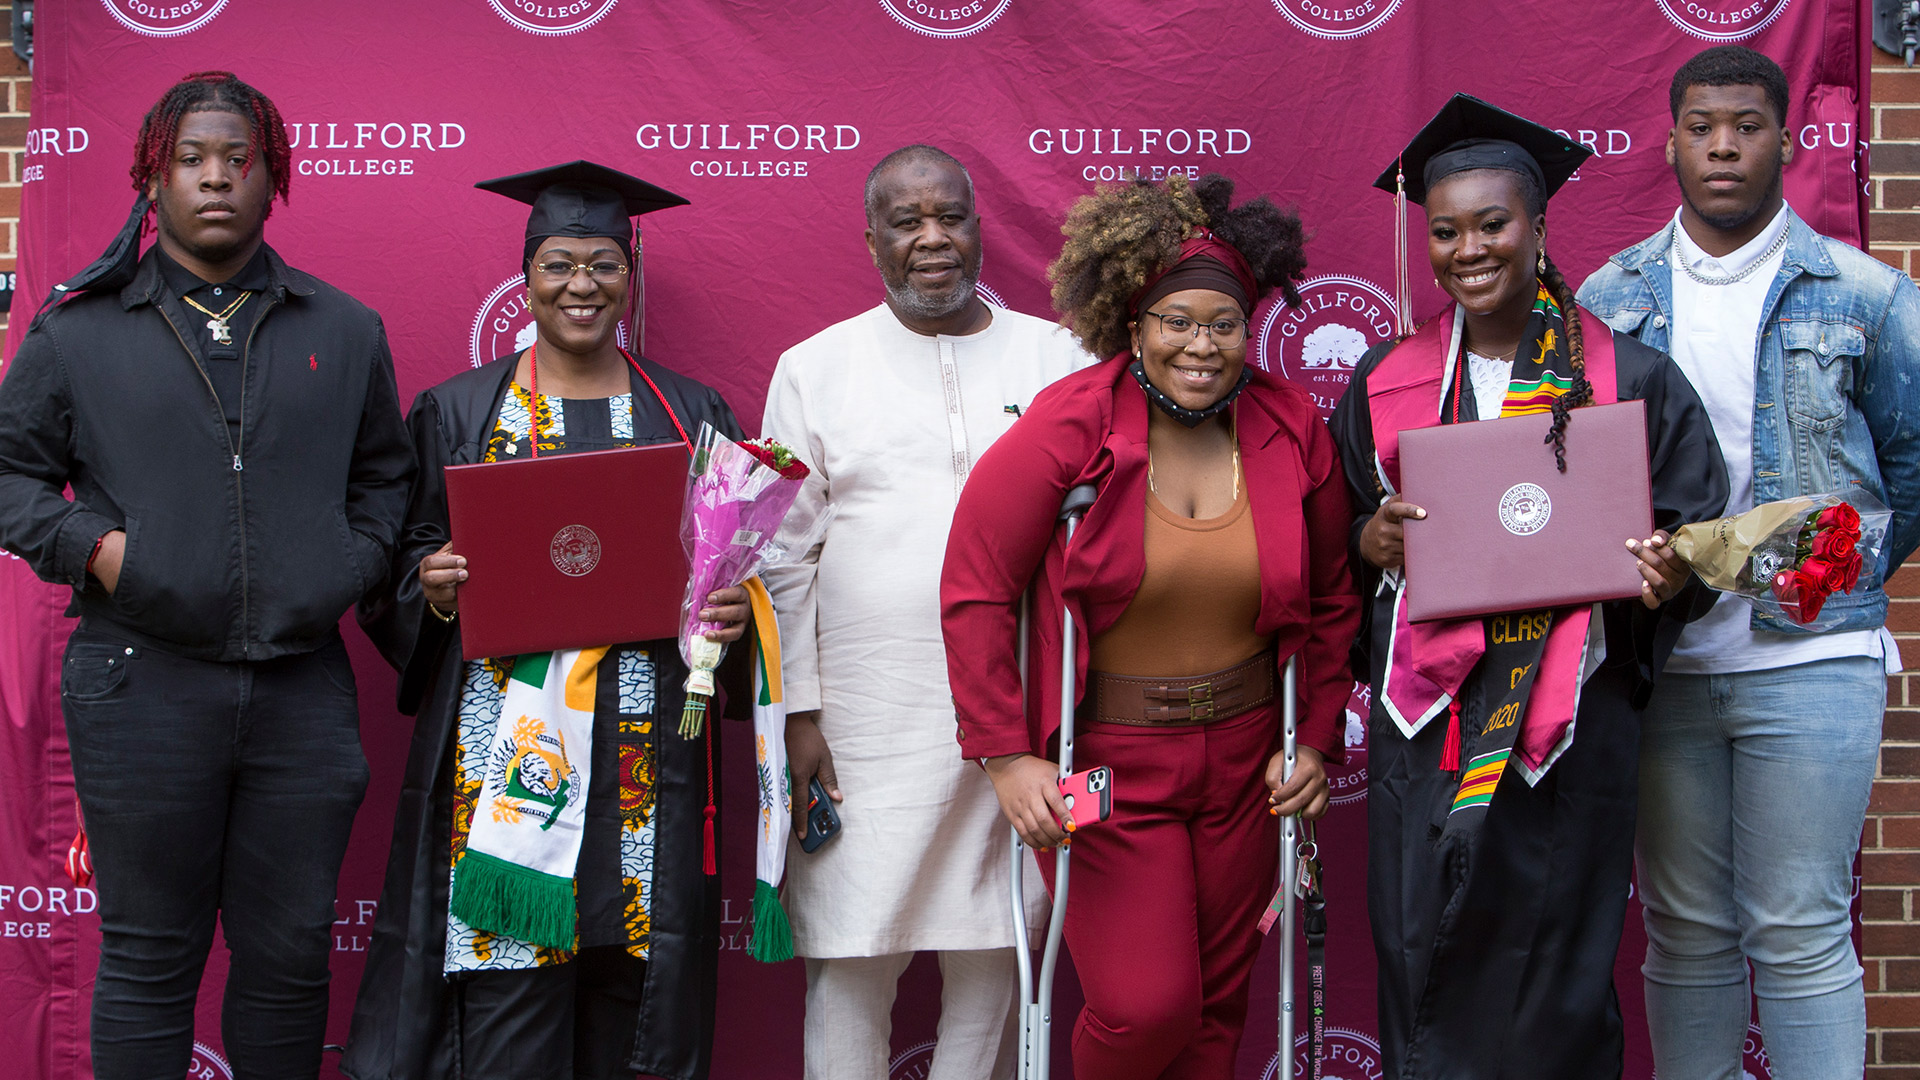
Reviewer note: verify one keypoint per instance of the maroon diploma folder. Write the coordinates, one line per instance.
(1507, 531)
(569, 550)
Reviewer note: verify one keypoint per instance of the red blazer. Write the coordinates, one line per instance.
(1091, 427)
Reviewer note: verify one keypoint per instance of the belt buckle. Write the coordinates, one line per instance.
(1200, 702)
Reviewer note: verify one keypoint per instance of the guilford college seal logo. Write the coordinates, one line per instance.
(913, 1063)
(552, 18)
(1524, 509)
(1722, 20)
(207, 1064)
(1317, 345)
(1345, 1054)
(1336, 20)
(1348, 783)
(946, 18)
(164, 18)
(575, 550)
(504, 324)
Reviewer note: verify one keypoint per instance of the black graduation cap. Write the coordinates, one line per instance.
(1468, 133)
(581, 198)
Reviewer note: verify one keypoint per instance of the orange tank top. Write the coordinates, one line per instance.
(1198, 601)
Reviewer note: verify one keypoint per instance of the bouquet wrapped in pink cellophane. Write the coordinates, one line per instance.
(738, 496)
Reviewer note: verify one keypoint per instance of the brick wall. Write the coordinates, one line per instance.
(16, 92)
(1890, 844)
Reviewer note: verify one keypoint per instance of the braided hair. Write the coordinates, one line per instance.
(1582, 392)
(212, 91)
(1121, 236)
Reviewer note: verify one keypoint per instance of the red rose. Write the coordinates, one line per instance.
(1835, 579)
(1809, 608)
(1829, 544)
(1842, 515)
(776, 457)
(1786, 587)
(1852, 567)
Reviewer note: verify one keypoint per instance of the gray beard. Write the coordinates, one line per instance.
(915, 305)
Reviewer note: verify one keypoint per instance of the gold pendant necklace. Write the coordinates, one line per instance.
(1234, 427)
(222, 333)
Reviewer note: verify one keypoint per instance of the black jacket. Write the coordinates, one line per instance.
(401, 1028)
(234, 551)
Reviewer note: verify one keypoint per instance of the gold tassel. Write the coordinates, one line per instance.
(1402, 290)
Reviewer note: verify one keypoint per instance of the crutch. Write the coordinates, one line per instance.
(1036, 1000)
(1289, 867)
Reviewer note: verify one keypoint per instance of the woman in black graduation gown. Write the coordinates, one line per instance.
(1500, 856)
(441, 999)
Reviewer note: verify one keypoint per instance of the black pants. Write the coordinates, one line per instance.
(212, 789)
(572, 1021)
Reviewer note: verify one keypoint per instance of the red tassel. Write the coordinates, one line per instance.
(708, 862)
(1450, 753)
(706, 845)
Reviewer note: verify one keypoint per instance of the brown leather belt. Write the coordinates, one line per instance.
(1198, 699)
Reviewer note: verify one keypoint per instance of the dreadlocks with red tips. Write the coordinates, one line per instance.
(212, 91)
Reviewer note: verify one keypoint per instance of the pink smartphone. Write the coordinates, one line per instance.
(1089, 797)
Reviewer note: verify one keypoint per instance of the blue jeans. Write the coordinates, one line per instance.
(212, 788)
(1753, 791)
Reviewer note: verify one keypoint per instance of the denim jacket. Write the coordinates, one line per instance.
(1836, 390)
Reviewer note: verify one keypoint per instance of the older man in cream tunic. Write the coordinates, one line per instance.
(890, 409)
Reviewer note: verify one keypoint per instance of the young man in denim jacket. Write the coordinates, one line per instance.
(1760, 742)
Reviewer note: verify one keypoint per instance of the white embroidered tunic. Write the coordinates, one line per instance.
(891, 422)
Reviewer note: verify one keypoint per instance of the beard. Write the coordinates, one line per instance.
(915, 304)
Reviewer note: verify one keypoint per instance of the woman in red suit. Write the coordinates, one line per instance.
(1215, 550)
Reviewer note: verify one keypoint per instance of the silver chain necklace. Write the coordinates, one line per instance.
(1680, 256)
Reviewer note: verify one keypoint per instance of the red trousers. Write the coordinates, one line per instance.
(1163, 920)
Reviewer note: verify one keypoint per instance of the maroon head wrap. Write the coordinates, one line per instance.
(1205, 262)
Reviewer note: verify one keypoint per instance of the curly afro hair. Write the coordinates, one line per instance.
(1120, 237)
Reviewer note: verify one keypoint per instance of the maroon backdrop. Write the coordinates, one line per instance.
(768, 115)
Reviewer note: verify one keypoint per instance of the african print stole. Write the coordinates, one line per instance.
(522, 761)
(1533, 661)
(517, 876)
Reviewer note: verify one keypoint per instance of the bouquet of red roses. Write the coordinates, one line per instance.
(738, 496)
(1788, 557)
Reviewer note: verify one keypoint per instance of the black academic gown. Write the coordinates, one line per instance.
(400, 1029)
(1503, 968)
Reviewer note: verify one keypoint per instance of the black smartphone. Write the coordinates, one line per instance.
(823, 822)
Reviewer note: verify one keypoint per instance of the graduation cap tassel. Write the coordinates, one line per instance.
(1402, 291)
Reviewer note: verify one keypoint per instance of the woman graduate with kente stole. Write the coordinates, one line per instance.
(1504, 750)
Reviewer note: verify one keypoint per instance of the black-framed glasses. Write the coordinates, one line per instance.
(606, 272)
(1179, 330)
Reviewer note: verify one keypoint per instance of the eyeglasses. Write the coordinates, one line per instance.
(606, 273)
(1180, 331)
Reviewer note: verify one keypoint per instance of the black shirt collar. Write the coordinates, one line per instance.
(182, 281)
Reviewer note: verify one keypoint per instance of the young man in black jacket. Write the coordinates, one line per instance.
(231, 433)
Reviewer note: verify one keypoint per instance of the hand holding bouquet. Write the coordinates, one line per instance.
(738, 495)
(1788, 557)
